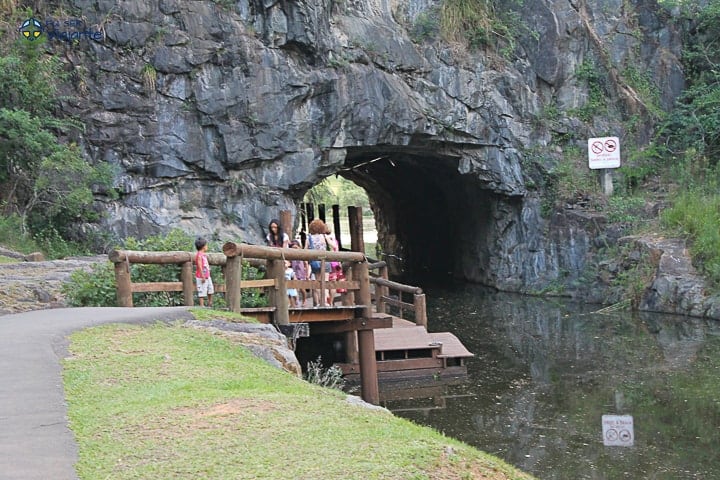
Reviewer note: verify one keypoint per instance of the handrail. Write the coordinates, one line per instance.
(359, 328)
(382, 296)
(272, 257)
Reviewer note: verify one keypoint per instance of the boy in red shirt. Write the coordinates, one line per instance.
(202, 273)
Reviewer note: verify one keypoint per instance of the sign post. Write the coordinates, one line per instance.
(604, 154)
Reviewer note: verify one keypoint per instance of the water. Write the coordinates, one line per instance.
(546, 371)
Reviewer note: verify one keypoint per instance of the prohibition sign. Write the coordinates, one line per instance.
(603, 152)
(617, 430)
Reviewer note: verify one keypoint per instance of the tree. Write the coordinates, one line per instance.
(43, 178)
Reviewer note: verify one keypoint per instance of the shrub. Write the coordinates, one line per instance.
(696, 214)
(331, 377)
(97, 287)
(93, 288)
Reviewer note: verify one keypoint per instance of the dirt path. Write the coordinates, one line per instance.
(30, 286)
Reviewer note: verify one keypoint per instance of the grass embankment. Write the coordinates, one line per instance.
(166, 402)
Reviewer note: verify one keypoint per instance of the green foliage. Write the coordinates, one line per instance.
(27, 79)
(426, 25)
(634, 278)
(589, 73)
(696, 214)
(694, 124)
(571, 177)
(338, 191)
(149, 77)
(252, 297)
(330, 377)
(641, 82)
(45, 181)
(93, 288)
(11, 235)
(622, 209)
(468, 21)
(96, 288)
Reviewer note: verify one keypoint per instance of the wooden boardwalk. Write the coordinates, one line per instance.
(378, 341)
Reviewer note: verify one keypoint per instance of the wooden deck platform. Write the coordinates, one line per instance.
(403, 350)
(409, 351)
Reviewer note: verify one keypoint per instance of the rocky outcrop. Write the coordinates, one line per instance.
(264, 341)
(38, 285)
(216, 115)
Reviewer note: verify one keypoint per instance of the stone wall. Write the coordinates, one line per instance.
(218, 115)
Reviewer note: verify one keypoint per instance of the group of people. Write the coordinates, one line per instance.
(319, 238)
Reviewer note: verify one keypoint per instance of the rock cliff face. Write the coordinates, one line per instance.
(218, 115)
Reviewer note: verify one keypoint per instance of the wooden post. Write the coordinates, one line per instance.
(381, 291)
(187, 278)
(351, 342)
(286, 223)
(357, 243)
(321, 212)
(366, 338)
(310, 212)
(233, 275)
(303, 216)
(323, 292)
(420, 310)
(276, 270)
(336, 225)
(124, 286)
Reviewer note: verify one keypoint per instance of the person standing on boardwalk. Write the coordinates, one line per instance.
(202, 273)
(317, 240)
(276, 237)
(301, 269)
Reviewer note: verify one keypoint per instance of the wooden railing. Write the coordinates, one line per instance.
(389, 293)
(386, 292)
(231, 262)
(355, 262)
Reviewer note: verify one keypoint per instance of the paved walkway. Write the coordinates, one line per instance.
(35, 441)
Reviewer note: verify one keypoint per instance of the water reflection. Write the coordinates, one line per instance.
(546, 371)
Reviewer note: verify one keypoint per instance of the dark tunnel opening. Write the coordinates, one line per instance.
(429, 217)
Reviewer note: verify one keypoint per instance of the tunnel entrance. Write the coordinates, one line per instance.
(429, 217)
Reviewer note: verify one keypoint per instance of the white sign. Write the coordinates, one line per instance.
(604, 152)
(617, 430)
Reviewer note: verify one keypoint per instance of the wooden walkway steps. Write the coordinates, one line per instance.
(409, 351)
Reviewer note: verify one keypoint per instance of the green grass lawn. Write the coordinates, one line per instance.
(168, 402)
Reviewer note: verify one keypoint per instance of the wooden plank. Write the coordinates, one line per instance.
(144, 287)
(397, 303)
(402, 323)
(409, 338)
(313, 284)
(350, 371)
(265, 282)
(156, 287)
(395, 286)
(452, 347)
(408, 364)
(355, 324)
(321, 314)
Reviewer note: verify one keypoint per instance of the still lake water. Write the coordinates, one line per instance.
(546, 371)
